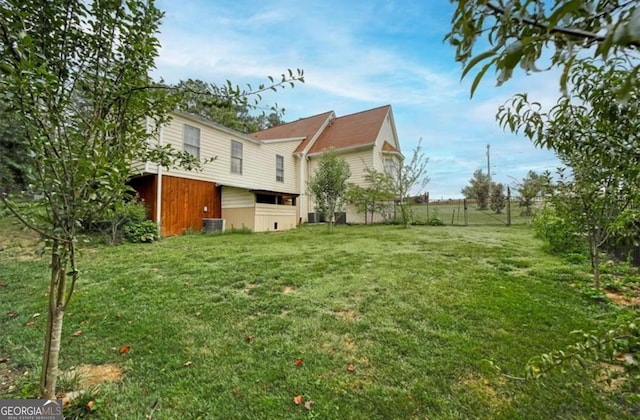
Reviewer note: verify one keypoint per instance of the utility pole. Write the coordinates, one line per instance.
(489, 168)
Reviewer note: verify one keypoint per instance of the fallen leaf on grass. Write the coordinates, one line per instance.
(4, 360)
(627, 358)
(3, 284)
(12, 314)
(308, 405)
(125, 349)
(351, 368)
(35, 315)
(198, 313)
(187, 363)
(249, 338)
(234, 391)
(90, 405)
(298, 362)
(297, 399)
(77, 333)
(30, 324)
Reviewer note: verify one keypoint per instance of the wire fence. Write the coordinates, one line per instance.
(463, 212)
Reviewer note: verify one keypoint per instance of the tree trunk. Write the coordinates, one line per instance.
(595, 260)
(55, 315)
(52, 354)
(596, 267)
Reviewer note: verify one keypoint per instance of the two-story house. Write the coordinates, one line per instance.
(259, 181)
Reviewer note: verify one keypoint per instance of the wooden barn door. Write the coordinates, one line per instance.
(184, 202)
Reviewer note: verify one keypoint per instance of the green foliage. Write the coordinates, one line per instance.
(14, 162)
(620, 343)
(497, 200)
(328, 186)
(478, 189)
(374, 197)
(519, 31)
(594, 135)
(532, 186)
(405, 178)
(435, 221)
(559, 232)
(207, 101)
(145, 231)
(123, 213)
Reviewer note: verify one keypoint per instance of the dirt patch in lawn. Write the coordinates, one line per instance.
(90, 376)
(347, 314)
(623, 299)
(484, 388)
(21, 244)
(249, 288)
(8, 377)
(611, 377)
(288, 290)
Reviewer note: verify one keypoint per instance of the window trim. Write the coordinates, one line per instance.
(279, 168)
(187, 146)
(236, 161)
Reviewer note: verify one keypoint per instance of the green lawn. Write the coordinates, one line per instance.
(216, 323)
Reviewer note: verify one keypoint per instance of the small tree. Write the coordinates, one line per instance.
(407, 177)
(478, 189)
(77, 73)
(328, 186)
(498, 200)
(596, 137)
(531, 187)
(374, 197)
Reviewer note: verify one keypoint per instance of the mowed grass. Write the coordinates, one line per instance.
(215, 325)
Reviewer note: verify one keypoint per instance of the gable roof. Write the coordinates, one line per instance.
(359, 129)
(305, 128)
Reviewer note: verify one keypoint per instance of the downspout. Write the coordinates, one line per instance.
(159, 186)
(307, 177)
(301, 200)
(148, 132)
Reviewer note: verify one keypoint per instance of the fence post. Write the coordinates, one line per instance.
(508, 206)
(466, 220)
(428, 218)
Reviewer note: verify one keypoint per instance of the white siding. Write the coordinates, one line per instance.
(237, 198)
(258, 159)
(386, 134)
(358, 162)
(270, 217)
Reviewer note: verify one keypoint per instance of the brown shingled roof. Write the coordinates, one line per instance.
(352, 130)
(304, 127)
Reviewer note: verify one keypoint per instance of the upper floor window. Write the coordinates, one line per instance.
(279, 168)
(191, 140)
(236, 157)
(389, 166)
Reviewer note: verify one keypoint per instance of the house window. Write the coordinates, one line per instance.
(236, 157)
(279, 168)
(191, 137)
(389, 166)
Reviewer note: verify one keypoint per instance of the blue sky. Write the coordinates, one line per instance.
(358, 55)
